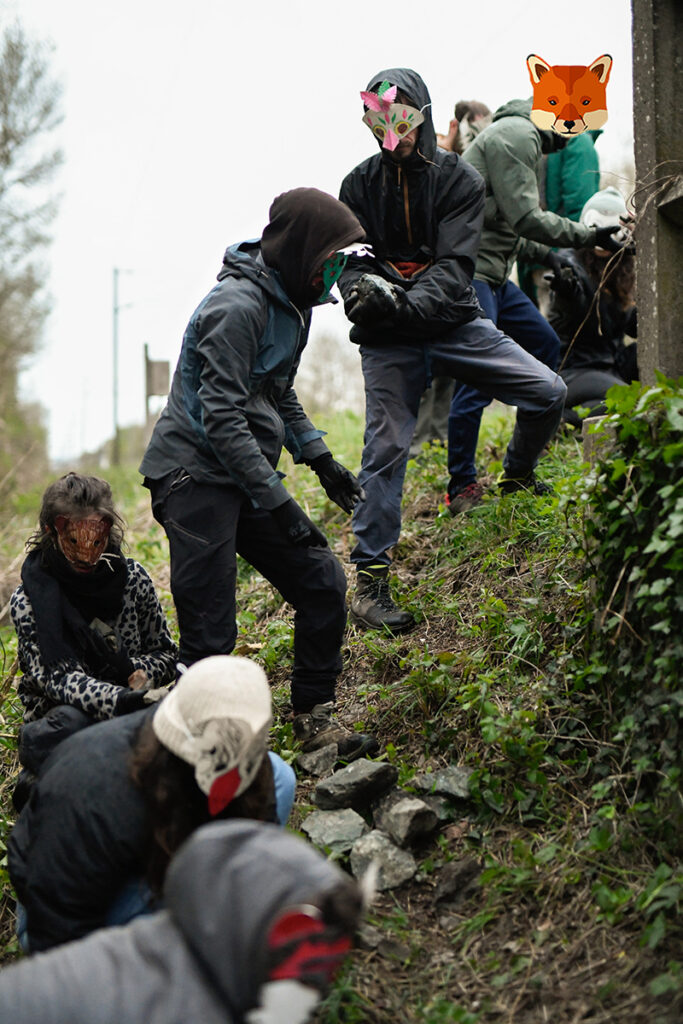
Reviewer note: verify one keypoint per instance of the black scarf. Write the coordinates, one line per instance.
(64, 602)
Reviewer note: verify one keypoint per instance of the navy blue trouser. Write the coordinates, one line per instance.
(395, 377)
(207, 525)
(515, 314)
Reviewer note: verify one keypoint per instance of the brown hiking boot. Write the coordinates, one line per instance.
(372, 605)
(319, 728)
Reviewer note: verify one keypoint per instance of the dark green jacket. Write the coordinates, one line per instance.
(572, 175)
(507, 154)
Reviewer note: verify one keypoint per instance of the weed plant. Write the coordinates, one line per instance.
(544, 659)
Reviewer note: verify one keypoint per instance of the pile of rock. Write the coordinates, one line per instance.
(365, 816)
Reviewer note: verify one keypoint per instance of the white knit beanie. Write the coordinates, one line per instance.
(217, 720)
(604, 209)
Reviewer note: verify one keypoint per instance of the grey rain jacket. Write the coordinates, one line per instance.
(201, 960)
(429, 209)
(507, 155)
(232, 403)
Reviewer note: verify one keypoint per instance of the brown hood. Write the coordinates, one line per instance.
(305, 227)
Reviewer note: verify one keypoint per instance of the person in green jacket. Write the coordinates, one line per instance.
(571, 178)
(508, 155)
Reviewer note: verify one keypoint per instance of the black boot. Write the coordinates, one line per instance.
(319, 728)
(372, 605)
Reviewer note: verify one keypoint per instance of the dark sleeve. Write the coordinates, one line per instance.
(356, 266)
(302, 439)
(229, 328)
(81, 835)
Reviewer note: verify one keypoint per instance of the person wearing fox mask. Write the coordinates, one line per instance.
(114, 802)
(211, 464)
(415, 313)
(508, 155)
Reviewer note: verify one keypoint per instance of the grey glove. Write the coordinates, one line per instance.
(373, 299)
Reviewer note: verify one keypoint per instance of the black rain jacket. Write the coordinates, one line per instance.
(429, 209)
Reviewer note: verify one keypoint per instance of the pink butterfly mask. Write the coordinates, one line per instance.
(387, 120)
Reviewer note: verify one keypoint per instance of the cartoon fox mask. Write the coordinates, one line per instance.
(569, 98)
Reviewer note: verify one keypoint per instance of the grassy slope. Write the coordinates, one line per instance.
(571, 916)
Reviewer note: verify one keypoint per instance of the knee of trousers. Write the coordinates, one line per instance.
(325, 587)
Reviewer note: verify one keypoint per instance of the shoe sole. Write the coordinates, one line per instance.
(395, 630)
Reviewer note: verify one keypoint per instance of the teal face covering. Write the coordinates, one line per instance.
(331, 271)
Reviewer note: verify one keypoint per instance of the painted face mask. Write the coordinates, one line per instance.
(82, 541)
(387, 120)
(331, 271)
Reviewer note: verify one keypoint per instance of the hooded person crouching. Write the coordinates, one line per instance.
(254, 927)
(113, 802)
(211, 464)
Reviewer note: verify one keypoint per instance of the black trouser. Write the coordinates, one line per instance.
(207, 525)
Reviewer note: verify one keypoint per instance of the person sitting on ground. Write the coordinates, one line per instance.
(114, 802)
(93, 641)
(256, 924)
(591, 331)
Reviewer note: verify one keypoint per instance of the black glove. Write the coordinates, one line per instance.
(555, 261)
(128, 701)
(297, 527)
(372, 299)
(566, 283)
(604, 240)
(340, 485)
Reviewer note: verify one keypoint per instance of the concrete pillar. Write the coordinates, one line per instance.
(658, 133)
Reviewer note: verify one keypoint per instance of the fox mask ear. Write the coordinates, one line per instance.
(602, 67)
(537, 68)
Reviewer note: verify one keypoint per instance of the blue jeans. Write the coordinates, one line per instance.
(136, 899)
(516, 315)
(395, 377)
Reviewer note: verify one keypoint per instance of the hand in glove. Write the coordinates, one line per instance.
(128, 701)
(565, 282)
(340, 485)
(297, 527)
(373, 299)
(555, 261)
(606, 238)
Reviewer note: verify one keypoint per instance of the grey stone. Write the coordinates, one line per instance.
(354, 786)
(319, 762)
(453, 782)
(457, 881)
(395, 866)
(441, 806)
(405, 817)
(335, 831)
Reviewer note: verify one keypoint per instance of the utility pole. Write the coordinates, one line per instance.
(116, 439)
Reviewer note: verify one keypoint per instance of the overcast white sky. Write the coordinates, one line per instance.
(184, 120)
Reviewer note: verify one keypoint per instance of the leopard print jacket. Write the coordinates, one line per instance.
(141, 626)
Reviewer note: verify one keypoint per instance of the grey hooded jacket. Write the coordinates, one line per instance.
(202, 960)
(232, 403)
(507, 154)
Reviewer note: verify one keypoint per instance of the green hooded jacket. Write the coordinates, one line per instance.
(507, 154)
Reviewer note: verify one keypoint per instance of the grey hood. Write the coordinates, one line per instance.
(232, 879)
(551, 142)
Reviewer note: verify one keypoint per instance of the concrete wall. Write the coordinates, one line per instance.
(658, 132)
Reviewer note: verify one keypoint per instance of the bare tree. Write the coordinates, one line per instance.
(29, 112)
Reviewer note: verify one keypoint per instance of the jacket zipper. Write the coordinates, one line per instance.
(406, 203)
